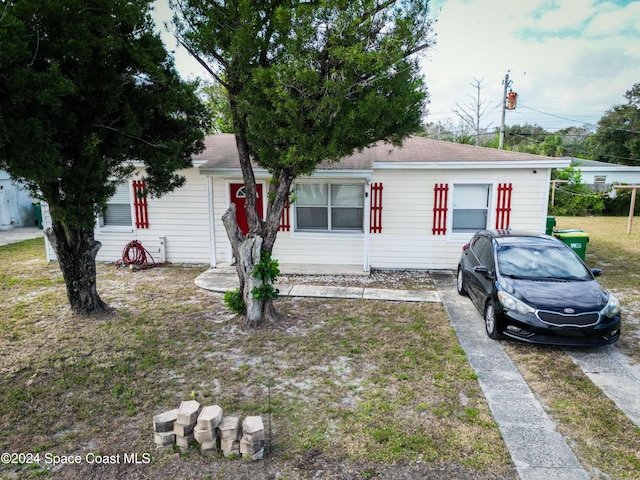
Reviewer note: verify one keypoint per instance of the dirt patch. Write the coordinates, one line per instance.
(349, 389)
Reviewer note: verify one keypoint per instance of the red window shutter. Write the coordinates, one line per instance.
(440, 199)
(140, 203)
(375, 212)
(503, 208)
(284, 219)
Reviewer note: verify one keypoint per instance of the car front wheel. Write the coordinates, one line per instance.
(490, 321)
(462, 290)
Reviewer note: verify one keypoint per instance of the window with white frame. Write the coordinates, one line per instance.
(470, 207)
(118, 210)
(329, 207)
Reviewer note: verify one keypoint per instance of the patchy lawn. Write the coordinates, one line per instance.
(354, 389)
(605, 441)
(617, 253)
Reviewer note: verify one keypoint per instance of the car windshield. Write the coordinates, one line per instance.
(540, 263)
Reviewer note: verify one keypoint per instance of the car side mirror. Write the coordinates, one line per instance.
(596, 272)
(482, 270)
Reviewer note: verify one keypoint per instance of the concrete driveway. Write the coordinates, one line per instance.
(18, 234)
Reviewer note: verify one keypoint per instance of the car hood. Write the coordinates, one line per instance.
(582, 296)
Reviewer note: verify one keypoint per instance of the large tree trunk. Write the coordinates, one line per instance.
(76, 250)
(247, 251)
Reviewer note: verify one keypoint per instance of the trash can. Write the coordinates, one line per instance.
(38, 209)
(551, 223)
(576, 239)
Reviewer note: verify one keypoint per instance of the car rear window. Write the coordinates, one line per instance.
(541, 263)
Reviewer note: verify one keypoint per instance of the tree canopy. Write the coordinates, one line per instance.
(86, 90)
(617, 139)
(308, 81)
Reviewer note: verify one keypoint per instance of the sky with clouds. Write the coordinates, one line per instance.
(568, 60)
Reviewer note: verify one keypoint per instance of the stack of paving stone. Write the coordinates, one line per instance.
(229, 433)
(190, 423)
(252, 441)
(205, 431)
(185, 423)
(163, 435)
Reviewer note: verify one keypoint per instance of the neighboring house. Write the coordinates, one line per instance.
(599, 176)
(16, 204)
(412, 207)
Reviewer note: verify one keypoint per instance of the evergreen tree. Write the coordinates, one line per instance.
(308, 81)
(86, 89)
(617, 139)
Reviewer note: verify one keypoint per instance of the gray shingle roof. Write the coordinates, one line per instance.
(221, 153)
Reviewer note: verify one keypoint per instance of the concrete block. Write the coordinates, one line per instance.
(188, 412)
(210, 417)
(163, 422)
(254, 437)
(182, 430)
(202, 436)
(248, 448)
(230, 447)
(211, 445)
(252, 425)
(259, 455)
(164, 439)
(185, 442)
(229, 428)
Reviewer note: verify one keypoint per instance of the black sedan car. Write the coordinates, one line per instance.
(534, 288)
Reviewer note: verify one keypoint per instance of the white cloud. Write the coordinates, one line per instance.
(579, 57)
(567, 59)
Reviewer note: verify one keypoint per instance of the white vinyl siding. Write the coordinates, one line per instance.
(407, 241)
(178, 226)
(470, 207)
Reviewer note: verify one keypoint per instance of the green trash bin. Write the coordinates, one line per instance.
(38, 209)
(576, 239)
(551, 223)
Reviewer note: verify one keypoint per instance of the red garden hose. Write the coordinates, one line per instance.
(135, 254)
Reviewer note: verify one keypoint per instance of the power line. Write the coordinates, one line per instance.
(553, 115)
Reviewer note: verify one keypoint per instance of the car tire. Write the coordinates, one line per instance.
(460, 286)
(490, 322)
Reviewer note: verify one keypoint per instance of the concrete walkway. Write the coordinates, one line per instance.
(225, 279)
(537, 449)
(614, 374)
(18, 234)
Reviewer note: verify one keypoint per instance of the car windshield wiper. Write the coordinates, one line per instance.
(517, 277)
(562, 278)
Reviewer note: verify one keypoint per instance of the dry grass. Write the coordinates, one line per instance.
(355, 389)
(617, 253)
(606, 442)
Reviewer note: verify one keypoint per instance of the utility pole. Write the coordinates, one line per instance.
(507, 83)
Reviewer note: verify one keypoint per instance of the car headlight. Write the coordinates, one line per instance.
(509, 302)
(613, 307)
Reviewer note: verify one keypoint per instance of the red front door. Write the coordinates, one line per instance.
(238, 197)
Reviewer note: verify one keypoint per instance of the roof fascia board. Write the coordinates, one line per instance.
(262, 173)
(610, 168)
(468, 165)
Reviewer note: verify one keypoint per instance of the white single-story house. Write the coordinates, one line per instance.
(601, 175)
(409, 207)
(16, 204)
